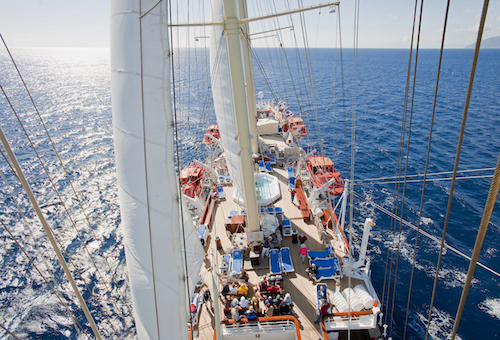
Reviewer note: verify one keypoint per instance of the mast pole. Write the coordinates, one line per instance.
(48, 231)
(249, 83)
(231, 26)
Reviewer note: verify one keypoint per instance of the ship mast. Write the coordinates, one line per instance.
(236, 65)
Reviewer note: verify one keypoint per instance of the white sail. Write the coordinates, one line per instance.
(223, 97)
(148, 185)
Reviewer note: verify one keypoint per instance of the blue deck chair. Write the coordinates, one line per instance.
(274, 261)
(232, 213)
(195, 308)
(236, 267)
(270, 210)
(286, 260)
(268, 167)
(327, 269)
(291, 183)
(261, 166)
(318, 287)
(287, 228)
(325, 254)
(228, 179)
(203, 234)
(220, 192)
(272, 160)
(290, 172)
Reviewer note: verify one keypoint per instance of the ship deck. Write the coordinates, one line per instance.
(298, 284)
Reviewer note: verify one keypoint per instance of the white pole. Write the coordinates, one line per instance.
(364, 242)
(344, 204)
(48, 231)
(231, 26)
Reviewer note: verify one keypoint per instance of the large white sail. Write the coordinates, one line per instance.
(223, 97)
(148, 185)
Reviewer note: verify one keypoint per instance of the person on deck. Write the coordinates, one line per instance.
(244, 275)
(302, 238)
(243, 290)
(324, 306)
(269, 309)
(251, 314)
(266, 247)
(292, 194)
(288, 300)
(284, 308)
(321, 293)
(235, 313)
(303, 252)
(244, 302)
(312, 271)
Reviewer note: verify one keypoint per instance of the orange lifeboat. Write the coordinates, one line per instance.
(211, 135)
(191, 179)
(297, 126)
(322, 170)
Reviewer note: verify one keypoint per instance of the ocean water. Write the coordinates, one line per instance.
(71, 88)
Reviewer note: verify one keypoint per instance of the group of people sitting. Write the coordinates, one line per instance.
(278, 306)
(234, 289)
(270, 285)
(243, 306)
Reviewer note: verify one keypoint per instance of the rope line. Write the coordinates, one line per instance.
(8, 332)
(406, 163)
(75, 321)
(429, 236)
(425, 172)
(121, 295)
(457, 157)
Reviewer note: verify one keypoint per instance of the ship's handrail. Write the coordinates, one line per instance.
(267, 319)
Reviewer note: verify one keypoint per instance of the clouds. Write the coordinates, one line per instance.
(473, 29)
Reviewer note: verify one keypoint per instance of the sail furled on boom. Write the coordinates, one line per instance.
(147, 180)
(223, 97)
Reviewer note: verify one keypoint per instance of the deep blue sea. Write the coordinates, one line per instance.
(71, 88)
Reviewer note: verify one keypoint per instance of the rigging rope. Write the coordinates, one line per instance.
(406, 163)
(43, 277)
(388, 275)
(426, 234)
(425, 171)
(457, 159)
(8, 332)
(121, 295)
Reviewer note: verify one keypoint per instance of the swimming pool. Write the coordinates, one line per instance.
(267, 189)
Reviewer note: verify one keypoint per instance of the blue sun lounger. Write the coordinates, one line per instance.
(290, 172)
(327, 269)
(268, 167)
(274, 261)
(326, 254)
(291, 183)
(236, 266)
(220, 192)
(318, 287)
(195, 308)
(272, 160)
(261, 166)
(287, 228)
(286, 260)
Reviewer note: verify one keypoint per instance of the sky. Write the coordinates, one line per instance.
(382, 24)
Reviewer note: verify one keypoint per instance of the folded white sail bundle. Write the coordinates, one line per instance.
(364, 296)
(340, 302)
(353, 299)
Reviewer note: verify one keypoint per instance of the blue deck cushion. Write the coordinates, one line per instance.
(319, 254)
(291, 184)
(220, 191)
(272, 160)
(261, 166)
(236, 262)
(274, 261)
(290, 172)
(286, 260)
(268, 167)
(201, 230)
